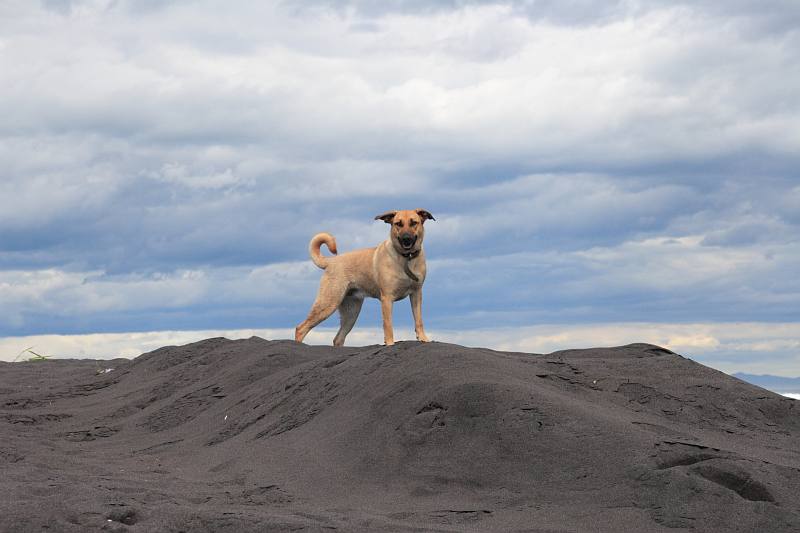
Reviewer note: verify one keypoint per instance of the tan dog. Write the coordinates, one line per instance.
(391, 271)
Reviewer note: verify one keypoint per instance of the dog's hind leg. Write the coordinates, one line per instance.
(348, 312)
(328, 299)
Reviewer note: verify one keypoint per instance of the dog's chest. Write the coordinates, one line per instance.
(402, 285)
(402, 289)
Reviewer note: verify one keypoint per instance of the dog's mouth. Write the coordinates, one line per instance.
(407, 243)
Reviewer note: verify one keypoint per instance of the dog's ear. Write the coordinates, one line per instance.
(387, 216)
(425, 215)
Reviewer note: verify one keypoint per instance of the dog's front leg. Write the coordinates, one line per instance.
(386, 312)
(416, 310)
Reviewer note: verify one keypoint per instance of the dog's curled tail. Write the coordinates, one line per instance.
(313, 248)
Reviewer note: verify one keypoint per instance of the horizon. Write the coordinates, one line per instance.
(713, 348)
(600, 172)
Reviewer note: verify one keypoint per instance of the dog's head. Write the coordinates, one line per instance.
(408, 228)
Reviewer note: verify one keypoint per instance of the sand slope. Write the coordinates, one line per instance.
(257, 435)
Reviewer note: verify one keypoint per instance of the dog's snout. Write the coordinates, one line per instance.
(407, 239)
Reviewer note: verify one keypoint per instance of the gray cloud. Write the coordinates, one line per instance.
(770, 16)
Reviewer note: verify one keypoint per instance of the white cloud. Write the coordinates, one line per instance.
(63, 293)
(680, 263)
(474, 82)
(179, 173)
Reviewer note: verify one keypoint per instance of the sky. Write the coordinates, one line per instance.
(600, 172)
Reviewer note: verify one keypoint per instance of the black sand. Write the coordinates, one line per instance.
(256, 435)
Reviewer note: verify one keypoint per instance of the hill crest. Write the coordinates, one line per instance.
(413, 436)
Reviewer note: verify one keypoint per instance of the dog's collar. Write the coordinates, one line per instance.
(409, 256)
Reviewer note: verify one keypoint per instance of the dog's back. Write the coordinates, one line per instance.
(354, 267)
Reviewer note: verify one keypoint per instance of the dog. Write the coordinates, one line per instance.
(389, 272)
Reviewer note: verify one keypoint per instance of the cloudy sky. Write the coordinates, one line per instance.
(600, 172)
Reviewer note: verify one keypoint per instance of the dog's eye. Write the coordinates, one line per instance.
(413, 223)
(399, 224)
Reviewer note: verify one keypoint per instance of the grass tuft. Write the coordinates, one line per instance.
(33, 355)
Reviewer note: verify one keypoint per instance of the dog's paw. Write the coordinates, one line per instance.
(423, 338)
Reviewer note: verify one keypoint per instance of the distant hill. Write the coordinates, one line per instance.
(774, 383)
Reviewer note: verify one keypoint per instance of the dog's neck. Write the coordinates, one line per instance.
(409, 256)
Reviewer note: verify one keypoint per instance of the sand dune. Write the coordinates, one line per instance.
(257, 435)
